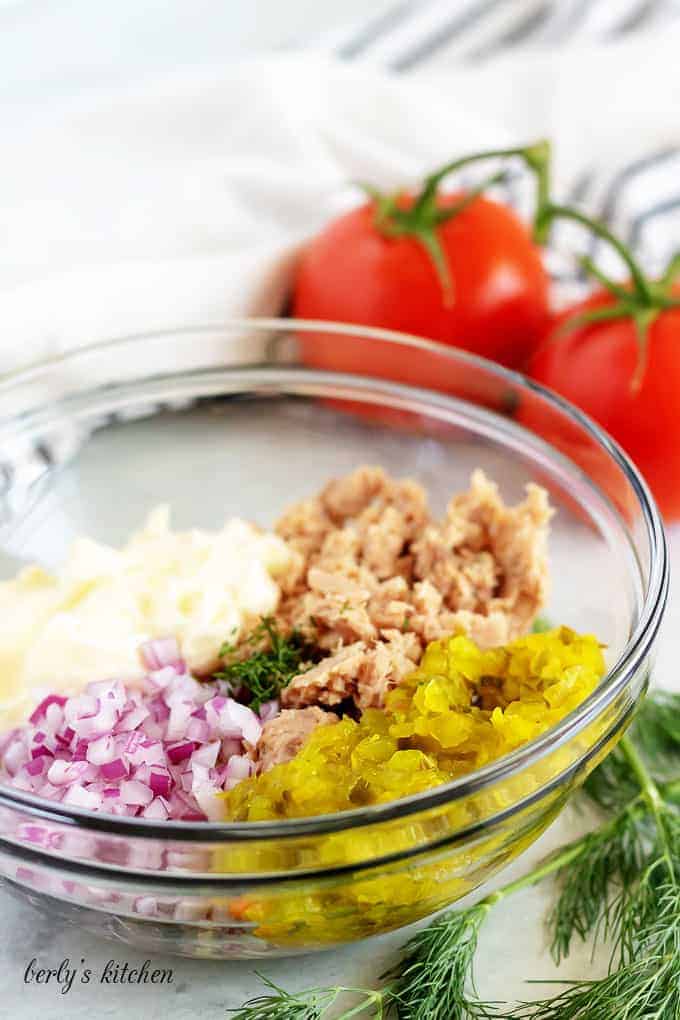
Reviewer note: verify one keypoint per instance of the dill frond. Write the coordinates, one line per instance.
(312, 1004)
(643, 982)
(645, 987)
(612, 785)
(656, 731)
(276, 658)
(434, 979)
(594, 885)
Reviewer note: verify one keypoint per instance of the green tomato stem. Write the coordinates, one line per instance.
(550, 212)
(671, 272)
(593, 270)
(536, 158)
(422, 224)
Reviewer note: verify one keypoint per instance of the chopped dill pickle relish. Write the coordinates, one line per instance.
(462, 708)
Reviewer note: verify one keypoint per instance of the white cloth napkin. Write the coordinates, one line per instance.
(178, 199)
(178, 202)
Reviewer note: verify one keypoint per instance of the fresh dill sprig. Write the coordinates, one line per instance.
(656, 731)
(276, 658)
(594, 883)
(643, 982)
(434, 979)
(611, 786)
(620, 882)
(312, 1004)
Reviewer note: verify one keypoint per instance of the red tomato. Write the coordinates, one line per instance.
(353, 272)
(594, 367)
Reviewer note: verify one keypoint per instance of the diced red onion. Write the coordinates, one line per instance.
(156, 809)
(82, 706)
(158, 709)
(160, 748)
(269, 710)
(230, 719)
(79, 796)
(54, 717)
(180, 714)
(239, 767)
(80, 750)
(101, 751)
(206, 755)
(132, 719)
(178, 752)
(38, 752)
(91, 724)
(198, 730)
(115, 769)
(61, 773)
(142, 774)
(160, 782)
(248, 722)
(162, 652)
(24, 781)
(147, 752)
(41, 710)
(211, 806)
(134, 792)
(163, 678)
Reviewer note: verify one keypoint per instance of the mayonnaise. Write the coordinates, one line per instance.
(58, 632)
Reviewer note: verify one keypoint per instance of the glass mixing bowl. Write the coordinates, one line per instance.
(224, 420)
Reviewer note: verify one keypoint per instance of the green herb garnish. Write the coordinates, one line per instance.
(620, 882)
(540, 625)
(311, 1004)
(276, 658)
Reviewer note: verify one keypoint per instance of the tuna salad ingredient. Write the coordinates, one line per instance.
(161, 751)
(462, 708)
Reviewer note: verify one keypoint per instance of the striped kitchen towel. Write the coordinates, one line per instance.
(404, 35)
(640, 197)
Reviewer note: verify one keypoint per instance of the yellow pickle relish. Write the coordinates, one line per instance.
(460, 709)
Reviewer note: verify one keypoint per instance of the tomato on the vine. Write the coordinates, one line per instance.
(632, 391)
(496, 304)
(459, 268)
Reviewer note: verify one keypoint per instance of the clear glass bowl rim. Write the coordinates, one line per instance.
(635, 651)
